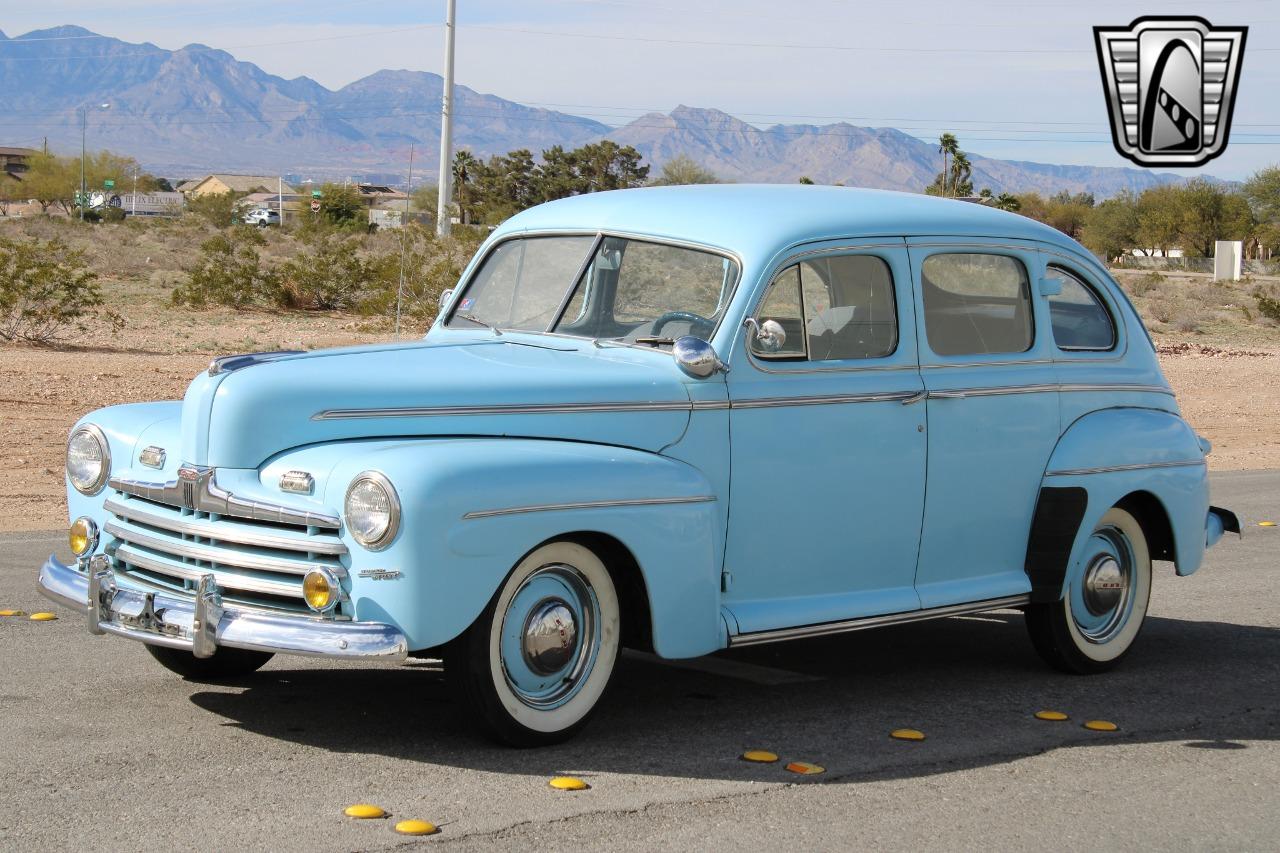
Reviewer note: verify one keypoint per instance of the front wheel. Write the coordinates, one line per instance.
(226, 664)
(1099, 617)
(533, 666)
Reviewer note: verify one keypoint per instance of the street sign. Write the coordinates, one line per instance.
(315, 205)
(108, 184)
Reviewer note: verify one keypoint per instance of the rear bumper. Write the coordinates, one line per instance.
(203, 623)
(1218, 522)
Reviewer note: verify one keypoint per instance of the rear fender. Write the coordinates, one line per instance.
(1149, 459)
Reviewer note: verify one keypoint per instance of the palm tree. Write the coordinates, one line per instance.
(947, 144)
(464, 166)
(961, 172)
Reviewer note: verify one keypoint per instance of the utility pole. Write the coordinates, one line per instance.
(84, 117)
(280, 198)
(134, 203)
(404, 231)
(446, 125)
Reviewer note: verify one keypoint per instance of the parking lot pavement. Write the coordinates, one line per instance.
(103, 748)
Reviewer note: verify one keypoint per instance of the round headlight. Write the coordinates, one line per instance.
(372, 510)
(88, 459)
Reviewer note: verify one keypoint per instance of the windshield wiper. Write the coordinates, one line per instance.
(474, 319)
(653, 341)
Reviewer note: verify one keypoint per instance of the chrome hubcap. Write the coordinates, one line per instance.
(550, 636)
(1102, 597)
(1104, 585)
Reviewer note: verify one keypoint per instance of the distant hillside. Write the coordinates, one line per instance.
(883, 158)
(197, 110)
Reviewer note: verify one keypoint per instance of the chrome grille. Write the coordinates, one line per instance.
(255, 563)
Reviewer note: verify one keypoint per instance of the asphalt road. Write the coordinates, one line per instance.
(102, 748)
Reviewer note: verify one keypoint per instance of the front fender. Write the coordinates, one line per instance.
(1115, 453)
(471, 508)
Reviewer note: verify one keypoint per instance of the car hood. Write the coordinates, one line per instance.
(241, 418)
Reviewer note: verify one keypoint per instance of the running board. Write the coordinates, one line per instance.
(826, 628)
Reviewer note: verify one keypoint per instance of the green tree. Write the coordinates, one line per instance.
(1262, 191)
(465, 170)
(1111, 228)
(961, 172)
(51, 180)
(342, 206)
(684, 170)
(948, 145)
(1159, 218)
(10, 192)
(1211, 213)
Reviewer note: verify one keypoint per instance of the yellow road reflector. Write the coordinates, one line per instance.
(763, 756)
(364, 811)
(43, 617)
(568, 783)
(804, 768)
(1054, 716)
(1101, 726)
(1266, 524)
(12, 613)
(906, 734)
(416, 827)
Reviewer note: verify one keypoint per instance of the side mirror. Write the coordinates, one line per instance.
(768, 336)
(1050, 286)
(696, 357)
(445, 296)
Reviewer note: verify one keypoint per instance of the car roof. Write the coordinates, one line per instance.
(759, 220)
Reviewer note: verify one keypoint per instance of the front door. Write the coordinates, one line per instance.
(993, 420)
(828, 445)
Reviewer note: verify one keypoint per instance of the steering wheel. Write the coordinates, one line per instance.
(698, 325)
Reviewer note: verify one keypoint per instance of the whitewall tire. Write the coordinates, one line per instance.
(534, 665)
(1108, 589)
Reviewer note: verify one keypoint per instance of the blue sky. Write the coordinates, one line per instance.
(923, 66)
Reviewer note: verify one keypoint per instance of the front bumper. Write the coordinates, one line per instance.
(203, 623)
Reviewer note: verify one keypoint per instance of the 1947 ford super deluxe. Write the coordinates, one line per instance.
(681, 419)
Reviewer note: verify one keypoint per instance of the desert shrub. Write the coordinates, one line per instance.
(219, 209)
(1142, 285)
(330, 274)
(1268, 304)
(431, 266)
(113, 214)
(229, 272)
(46, 288)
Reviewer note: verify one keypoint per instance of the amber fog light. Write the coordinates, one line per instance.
(83, 536)
(321, 590)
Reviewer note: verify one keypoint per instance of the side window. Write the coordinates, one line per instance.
(1080, 321)
(782, 304)
(849, 307)
(976, 304)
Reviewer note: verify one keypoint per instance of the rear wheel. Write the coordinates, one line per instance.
(225, 665)
(533, 666)
(1099, 617)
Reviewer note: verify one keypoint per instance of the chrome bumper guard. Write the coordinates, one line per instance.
(202, 624)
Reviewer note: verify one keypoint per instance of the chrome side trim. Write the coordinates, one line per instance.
(490, 513)
(200, 625)
(222, 533)
(998, 390)
(197, 488)
(827, 628)
(213, 554)
(225, 580)
(521, 409)
(826, 399)
(1138, 466)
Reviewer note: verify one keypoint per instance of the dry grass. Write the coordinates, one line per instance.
(1191, 306)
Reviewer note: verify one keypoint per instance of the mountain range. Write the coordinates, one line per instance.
(198, 109)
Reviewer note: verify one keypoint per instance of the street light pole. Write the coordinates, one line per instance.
(446, 126)
(83, 121)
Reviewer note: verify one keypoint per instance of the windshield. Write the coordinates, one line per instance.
(627, 290)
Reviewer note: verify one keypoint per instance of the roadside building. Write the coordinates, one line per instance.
(13, 161)
(381, 196)
(221, 184)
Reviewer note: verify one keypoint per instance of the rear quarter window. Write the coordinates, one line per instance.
(1080, 319)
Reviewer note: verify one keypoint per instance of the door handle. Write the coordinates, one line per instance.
(915, 398)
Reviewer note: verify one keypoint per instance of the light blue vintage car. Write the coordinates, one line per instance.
(680, 419)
